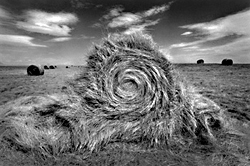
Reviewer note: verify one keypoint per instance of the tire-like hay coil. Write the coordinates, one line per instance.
(34, 70)
(128, 94)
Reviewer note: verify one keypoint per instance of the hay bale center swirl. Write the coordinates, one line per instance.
(131, 84)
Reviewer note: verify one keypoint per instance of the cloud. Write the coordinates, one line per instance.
(5, 17)
(18, 40)
(79, 4)
(156, 10)
(125, 20)
(227, 36)
(238, 23)
(140, 27)
(60, 39)
(132, 22)
(86, 37)
(179, 45)
(166, 53)
(4, 14)
(121, 19)
(55, 24)
(186, 33)
(114, 12)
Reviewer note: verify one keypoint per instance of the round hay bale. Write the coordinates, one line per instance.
(128, 94)
(52, 67)
(200, 61)
(46, 67)
(35, 70)
(227, 62)
(67, 66)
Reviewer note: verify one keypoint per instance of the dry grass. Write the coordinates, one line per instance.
(129, 98)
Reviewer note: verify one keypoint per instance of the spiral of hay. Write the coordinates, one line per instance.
(131, 93)
(128, 94)
(35, 70)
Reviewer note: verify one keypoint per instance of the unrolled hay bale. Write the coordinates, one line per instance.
(227, 62)
(128, 94)
(35, 70)
(200, 61)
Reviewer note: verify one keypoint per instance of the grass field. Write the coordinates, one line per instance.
(228, 86)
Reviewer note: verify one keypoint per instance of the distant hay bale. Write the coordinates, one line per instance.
(129, 93)
(35, 70)
(67, 66)
(46, 67)
(200, 61)
(227, 62)
(52, 67)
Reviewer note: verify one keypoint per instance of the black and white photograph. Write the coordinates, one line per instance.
(124, 82)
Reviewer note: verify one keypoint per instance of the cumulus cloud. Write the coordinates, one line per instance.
(55, 24)
(132, 22)
(18, 40)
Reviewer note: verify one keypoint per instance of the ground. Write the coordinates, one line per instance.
(228, 86)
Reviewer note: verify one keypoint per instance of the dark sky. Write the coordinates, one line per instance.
(62, 31)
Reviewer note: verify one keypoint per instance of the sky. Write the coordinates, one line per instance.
(63, 31)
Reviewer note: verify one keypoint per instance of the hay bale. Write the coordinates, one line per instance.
(52, 67)
(227, 62)
(129, 94)
(35, 70)
(200, 61)
(67, 66)
(46, 67)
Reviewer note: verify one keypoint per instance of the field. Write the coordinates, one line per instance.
(228, 86)
(16, 83)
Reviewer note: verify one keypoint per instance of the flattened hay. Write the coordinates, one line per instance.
(128, 94)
